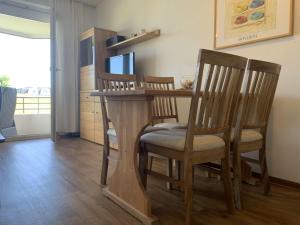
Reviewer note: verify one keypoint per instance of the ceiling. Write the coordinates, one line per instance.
(23, 27)
(91, 2)
(47, 2)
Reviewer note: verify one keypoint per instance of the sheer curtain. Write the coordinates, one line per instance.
(71, 18)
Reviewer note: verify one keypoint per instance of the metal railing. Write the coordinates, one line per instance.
(33, 105)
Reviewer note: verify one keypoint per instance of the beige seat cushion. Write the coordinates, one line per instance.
(175, 139)
(248, 135)
(171, 125)
(111, 132)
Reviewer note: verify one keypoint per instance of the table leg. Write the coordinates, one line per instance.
(129, 117)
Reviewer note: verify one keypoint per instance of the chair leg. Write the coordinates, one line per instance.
(104, 163)
(143, 164)
(188, 192)
(237, 179)
(227, 184)
(151, 162)
(264, 171)
(170, 173)
(179, 167)
(178, 170)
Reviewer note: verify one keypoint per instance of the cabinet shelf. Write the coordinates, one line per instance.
(134, 40)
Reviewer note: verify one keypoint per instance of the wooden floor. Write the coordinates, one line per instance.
(42, 183)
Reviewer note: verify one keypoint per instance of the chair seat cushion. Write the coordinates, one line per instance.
(111, 132)
(171, 125)
(175, 139)
(248, 135)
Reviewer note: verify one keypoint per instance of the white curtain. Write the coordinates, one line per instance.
(71, 18)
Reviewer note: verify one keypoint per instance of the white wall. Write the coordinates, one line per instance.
(187, 26)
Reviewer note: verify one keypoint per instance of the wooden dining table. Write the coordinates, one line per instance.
(131, 112)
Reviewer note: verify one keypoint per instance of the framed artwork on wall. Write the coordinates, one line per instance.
(239, 22)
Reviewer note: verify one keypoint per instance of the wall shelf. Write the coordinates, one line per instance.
(134, 40)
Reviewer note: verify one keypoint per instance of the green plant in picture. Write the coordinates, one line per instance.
(4, 81)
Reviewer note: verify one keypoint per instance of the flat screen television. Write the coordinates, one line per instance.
(121, 64)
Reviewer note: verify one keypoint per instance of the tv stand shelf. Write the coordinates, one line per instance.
(134, 40)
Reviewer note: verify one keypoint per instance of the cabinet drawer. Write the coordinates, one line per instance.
(98, 107)
(86, 97)
(99, 138)
(86, 69)
(87, 107)
(98, 113)
(87, 125)
(97, 98)
(87, 80)
(99, 126)
(88, 134)
(87, 130)
(87, 116)
(99, 118)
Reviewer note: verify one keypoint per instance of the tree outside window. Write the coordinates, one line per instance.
(4, 81)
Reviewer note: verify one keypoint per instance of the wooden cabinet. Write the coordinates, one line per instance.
(92, 60)
(93, 53)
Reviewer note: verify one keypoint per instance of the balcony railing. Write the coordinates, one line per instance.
(33, 105)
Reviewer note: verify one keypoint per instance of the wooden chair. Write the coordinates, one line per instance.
(164, 108)
(252, 121)
(209, 117)
(111, 82)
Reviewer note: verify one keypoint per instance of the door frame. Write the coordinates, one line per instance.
(53, 70)
(43, 13)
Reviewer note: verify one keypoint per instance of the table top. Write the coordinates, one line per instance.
(145, 92)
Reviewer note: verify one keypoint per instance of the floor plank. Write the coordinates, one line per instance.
(43, 183)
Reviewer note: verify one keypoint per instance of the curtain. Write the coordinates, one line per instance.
(71, 18)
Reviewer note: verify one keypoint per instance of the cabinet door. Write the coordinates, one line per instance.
(87, 130)
(87, 78)
(99, 135)
(87, 116)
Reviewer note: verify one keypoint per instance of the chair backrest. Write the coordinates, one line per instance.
(113, 82)
(162, 107)
(116, 82)
(218, 80)
(262, 78)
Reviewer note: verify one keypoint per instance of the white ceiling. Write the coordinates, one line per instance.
(47, 2)
(91, 2)
(23, 27)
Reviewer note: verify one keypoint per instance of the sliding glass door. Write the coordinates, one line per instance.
(25, 62)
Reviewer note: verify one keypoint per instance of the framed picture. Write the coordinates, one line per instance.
(239, 22)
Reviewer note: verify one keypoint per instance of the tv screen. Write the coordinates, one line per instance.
(121, 64)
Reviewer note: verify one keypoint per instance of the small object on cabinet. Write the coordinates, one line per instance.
(187, 82)
(114, 40)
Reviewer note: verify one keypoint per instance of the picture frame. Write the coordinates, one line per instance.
(240, 22)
